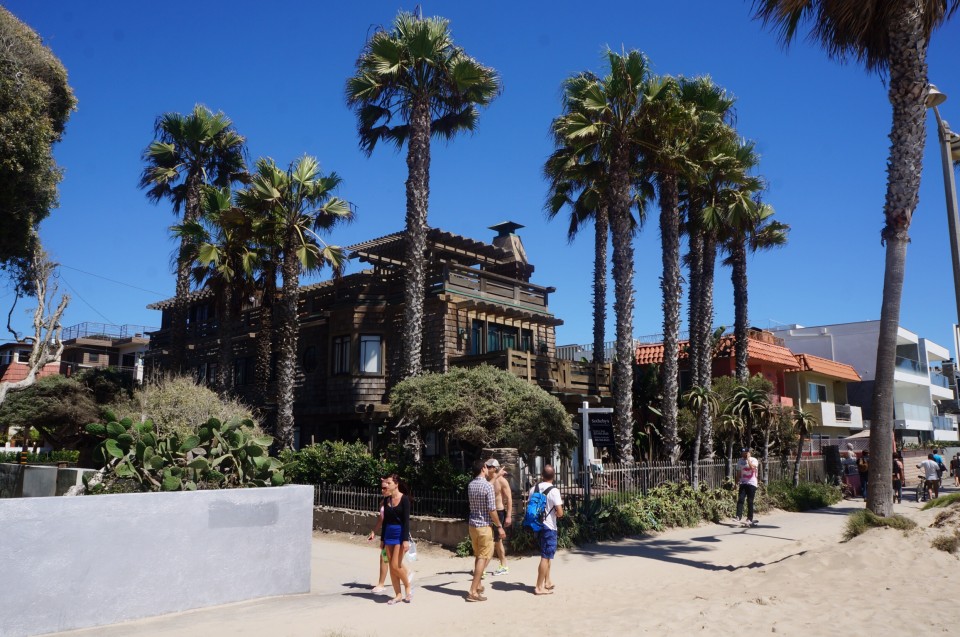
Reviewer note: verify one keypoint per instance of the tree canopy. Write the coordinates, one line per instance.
(485, 406)
(35, 103)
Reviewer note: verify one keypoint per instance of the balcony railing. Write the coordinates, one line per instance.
(939, 380)
(488, 286)
(105, 331)
(844, 413)
(911, 366)
(907, 411)
(551, 374)
(943, 423)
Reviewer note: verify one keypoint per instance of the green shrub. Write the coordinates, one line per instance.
(948, 543)
(464, 548)
(43, 457)
(864, 520)
(807, 495)
(942, 501)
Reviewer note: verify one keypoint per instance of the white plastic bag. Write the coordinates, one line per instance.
(412, 552)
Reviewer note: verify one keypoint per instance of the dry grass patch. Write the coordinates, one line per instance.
(862, 521)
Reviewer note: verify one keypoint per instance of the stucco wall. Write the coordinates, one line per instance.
(113, 558)
(440, 531)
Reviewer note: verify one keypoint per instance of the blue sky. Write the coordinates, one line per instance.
(278, 71)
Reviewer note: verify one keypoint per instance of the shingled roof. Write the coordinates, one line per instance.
(827, 367)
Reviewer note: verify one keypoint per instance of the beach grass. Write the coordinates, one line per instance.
(862, 521)
(942, 501)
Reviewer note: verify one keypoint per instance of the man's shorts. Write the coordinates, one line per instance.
(502, 514)
(481, 537)
(548, 543)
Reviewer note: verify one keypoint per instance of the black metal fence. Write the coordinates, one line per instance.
(613, 483)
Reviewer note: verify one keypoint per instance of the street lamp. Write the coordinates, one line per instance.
(949, 153)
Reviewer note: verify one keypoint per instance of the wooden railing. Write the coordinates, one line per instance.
(458, 279)
(552, 374)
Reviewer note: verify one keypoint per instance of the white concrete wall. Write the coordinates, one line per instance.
(113, 558)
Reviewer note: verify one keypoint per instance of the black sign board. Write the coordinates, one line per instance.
(601, 429)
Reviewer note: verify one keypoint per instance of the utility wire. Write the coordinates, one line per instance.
(85, 300)
(111, 280)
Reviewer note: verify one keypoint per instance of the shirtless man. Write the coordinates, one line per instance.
(501, 491)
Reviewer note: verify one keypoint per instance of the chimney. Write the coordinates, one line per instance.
(516, 265)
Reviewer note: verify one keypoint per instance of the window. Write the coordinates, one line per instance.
(500, 337)
(476, 337)
(23, 356)
(309, 359)
(341, 355)
(370, 360)
(128, 360)
(93, 357)
(241, 372)
(816, 393)
(6, 357)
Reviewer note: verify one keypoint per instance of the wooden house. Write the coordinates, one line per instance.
(480, 307)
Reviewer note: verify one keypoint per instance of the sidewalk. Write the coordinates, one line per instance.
(712, 577)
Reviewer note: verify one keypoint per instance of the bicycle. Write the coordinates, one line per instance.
(921, 490)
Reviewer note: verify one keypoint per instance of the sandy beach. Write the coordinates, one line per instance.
(792, 575)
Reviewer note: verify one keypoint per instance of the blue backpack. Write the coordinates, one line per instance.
(537, 509)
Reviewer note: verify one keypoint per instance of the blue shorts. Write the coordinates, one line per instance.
(548, 543)
(391, 535)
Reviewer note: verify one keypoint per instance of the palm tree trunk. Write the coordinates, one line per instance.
(670, 285)
(622, 234)
(602, 227)
(766, 451)
(264, 345)
(695, 259)
(418, 195)
(225, 332)
(287, 358)
(908, 89)
(738, 276)
(705, 336)
(178, 325)
(796, 462)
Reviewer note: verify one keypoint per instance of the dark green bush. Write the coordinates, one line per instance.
(807, 495)
(865, 519)
(44, 457)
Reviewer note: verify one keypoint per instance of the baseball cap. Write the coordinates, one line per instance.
(493, 462)
(745, 449)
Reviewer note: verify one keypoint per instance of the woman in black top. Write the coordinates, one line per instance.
(396, 534)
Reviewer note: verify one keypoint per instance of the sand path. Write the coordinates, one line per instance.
(790, 576)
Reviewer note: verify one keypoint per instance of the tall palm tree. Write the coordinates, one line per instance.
(891, 38)
(804, 421)
(188, 152)
(748, 402)
(221, 247)
(294, 204)
(750, 228)
(603, 118)
(699, 399)
(412, 82)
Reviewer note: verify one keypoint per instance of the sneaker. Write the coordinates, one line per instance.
(754, 523)
(503, 570)
(736, 518)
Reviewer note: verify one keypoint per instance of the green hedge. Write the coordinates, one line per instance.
(44, 457)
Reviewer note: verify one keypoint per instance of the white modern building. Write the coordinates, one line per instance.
(919, 385)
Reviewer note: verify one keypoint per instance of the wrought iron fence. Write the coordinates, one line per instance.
(613, 483)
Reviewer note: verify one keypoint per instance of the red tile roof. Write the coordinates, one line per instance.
(827, 367)
(757, 351)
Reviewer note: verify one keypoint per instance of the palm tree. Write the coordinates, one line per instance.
(221, 246)
(699, 399)
(603, 118)
(749, 228)
(729, 428)
(412, 82)
(892, 38)
(748, 402)
(294, 204)
(803, 421)
(188, 152)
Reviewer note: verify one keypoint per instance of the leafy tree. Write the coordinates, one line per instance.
(292, 205)
(57, 406)
(35, 103)
(890, 38)
(411, 83)
(804, 422)
(748, 401)
(190, 151)
(699, 400)
(486, 407)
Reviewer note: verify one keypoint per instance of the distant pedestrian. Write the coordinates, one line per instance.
(863, 468)
(931, 476)
(940, 466)
(483, 514)
(547, 536)
(897, 477)
(955, 469)
(396, 534)
(504, 500)
(382, 558)
(747, 467)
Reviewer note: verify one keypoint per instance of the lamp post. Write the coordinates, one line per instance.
(949, 153)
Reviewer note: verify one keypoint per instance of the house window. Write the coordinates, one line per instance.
(370, 359)
(526, 340)
(341, 355)
(501, 337)
(476, 337)
(128, 360)
(93, 358)
(241, 372)
(309, 359)
(23, 356)
(816, 393)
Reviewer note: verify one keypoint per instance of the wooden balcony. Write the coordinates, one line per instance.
(487, 286)
(567, 378)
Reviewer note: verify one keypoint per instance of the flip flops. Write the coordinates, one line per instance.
(476, 598)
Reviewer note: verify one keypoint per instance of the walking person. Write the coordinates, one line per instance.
(955, 469)
(547, 537)
(382, 558)
(483, 514)
(898, 477)
(504, 501)
(931, 476)
(396, 534)
(863, 468)
(748, 467)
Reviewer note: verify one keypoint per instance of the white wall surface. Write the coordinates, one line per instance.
(104, 559)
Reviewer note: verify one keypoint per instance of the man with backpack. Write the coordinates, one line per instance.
(544, 506)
